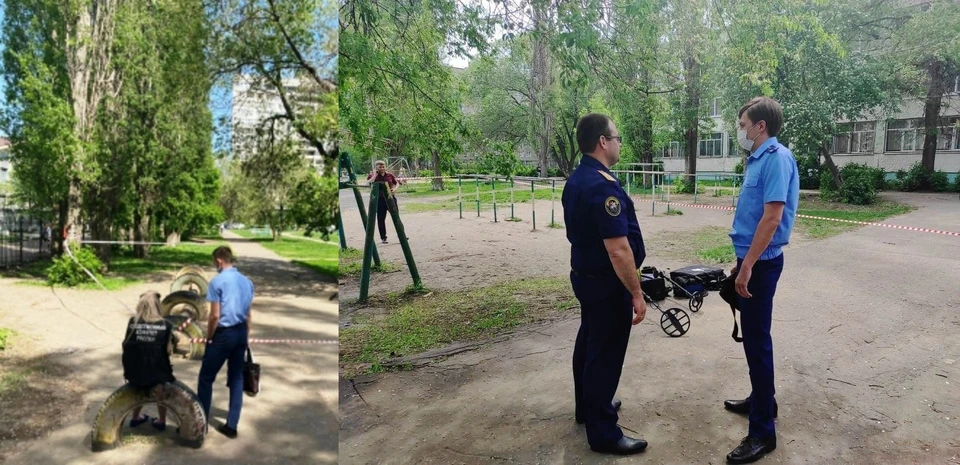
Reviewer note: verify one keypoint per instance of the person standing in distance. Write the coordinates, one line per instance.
(606, 251)
(761, 228)
(228, 331)
(390, 182)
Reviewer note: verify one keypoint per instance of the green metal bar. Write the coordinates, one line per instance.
(533, 204)
(368, 244)
(343, 237)
(460, 194)
(553, 192)
(696, 179)
(366, 224)
(512, 216)
(407, 253)
(478, 195)
(493, 185)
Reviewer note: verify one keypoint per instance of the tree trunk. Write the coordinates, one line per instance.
(173, 238)
(540, 84)
(88, 47)
(141, 233)
(437, 176)
(828, 160)
(931, 114)
(691, 68)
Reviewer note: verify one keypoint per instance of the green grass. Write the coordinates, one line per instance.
(5, 334)
(317, 256)
(820, 229)
(13, 379)
(425, 322)
(720, 254)
(351, 263)
(125, 269)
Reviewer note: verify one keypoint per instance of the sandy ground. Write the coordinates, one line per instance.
(292, 420)
(865, 349)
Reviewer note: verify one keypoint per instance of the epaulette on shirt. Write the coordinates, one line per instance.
(772, 148)
(607, 176)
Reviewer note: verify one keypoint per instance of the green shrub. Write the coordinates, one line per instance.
(915, 178)
(809, 170)
(956, 183)
(67, 272)
(860, 185)
(875, 175)
(939, 182)
(739, 168)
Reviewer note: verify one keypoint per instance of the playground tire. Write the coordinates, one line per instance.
(195, 305)
(186, 279)
(180, 401)
(191, 269)
(192, 331)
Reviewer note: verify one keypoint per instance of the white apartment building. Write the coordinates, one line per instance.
(254, 102)
(892, 142)
(6, 168)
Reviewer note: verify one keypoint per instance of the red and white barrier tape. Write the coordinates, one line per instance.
(823, 218)
(279, 341)
(262, 341)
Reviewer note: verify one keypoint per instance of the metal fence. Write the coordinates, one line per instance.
(23, 238)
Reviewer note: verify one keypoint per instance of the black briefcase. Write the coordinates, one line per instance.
(251, 375)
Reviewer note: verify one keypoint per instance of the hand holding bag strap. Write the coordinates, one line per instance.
(729, 294)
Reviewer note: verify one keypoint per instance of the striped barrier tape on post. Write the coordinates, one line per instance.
(279, 341)
(824, 218)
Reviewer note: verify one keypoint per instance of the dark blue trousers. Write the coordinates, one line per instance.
(606, 312)
(229, 345)
(756, 314)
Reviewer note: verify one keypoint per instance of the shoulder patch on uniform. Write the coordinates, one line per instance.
(612, 206)
(773, 148)
(607, 176)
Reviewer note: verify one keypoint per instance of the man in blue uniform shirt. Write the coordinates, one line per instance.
(228, 330)
(761, 228)
(606, 251)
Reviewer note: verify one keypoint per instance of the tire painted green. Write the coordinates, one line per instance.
(181, 403)
(186, 279)
(194, 305)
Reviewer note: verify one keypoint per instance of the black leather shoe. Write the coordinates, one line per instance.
(616, 407)
(625, 446)
(751, 449)
(227, 431)
(743, 406)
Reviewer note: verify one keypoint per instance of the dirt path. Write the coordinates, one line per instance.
(865, 346)
(293, 420)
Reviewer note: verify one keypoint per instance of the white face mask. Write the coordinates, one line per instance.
(745, 143)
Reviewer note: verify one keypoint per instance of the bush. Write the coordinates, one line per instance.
(67, 272)
(859, 189)
(875, 175)
(914, 179)
(956, 183)
(739, 168)
(686, 188)
(939, 182)
(809, 170)
(860, 185)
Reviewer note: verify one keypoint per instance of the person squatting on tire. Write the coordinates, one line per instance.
(146, 354)
(228, 331)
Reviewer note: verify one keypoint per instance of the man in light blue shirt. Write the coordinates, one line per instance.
(761, 228)
(228, 330)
